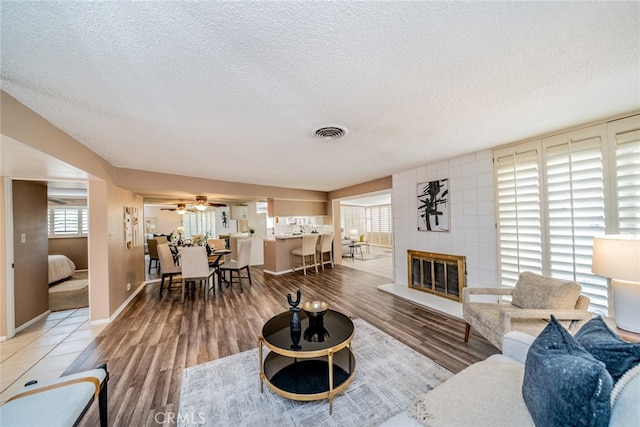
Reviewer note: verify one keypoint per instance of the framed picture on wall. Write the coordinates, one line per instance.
(433, 205)
(128, 227)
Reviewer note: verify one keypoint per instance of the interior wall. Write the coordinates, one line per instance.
(472, 220)
(110, 265)
(166, 221)
(30, 247)
(4, 271)
(75, 248)
(333, 206)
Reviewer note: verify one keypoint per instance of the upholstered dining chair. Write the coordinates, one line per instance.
(325, 246)
(167, 265)
(217, 243)
(154, 260)
(533, 300)
(237, 265)
(195, 268)
(308, 249)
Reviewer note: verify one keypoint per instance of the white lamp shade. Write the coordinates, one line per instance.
(617, 257)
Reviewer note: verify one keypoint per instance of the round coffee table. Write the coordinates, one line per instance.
(320, 366)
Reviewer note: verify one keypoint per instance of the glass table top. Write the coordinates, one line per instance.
(331, 330)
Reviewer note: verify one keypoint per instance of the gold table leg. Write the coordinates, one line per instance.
(260, 364)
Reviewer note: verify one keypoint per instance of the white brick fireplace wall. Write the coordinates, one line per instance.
(472, 230)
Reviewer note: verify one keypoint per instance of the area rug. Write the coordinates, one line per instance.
(70, 294)
(366, 257)
(389, 377)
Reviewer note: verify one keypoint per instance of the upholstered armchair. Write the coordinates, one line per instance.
(533, 300)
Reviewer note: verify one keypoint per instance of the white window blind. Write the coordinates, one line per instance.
(379, 225)
(627, 156)
(70, 221)
(555, 195)
(199, 223)
(576, 213)
(519, 214)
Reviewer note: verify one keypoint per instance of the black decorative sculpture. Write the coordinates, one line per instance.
(296, 328)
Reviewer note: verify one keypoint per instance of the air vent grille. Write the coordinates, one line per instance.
(330, 132)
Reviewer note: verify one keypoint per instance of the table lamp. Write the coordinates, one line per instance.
(618, 257)
(353, 233)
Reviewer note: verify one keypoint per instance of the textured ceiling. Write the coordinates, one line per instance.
(233, 90)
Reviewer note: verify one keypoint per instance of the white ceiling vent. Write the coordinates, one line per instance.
(330, 132)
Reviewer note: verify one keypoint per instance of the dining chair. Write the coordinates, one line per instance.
(325, 246)
(167, 266)
(217, 243)
(237, 265)
(154, 260)
(162, 239)
(308, 249)
(195, 268)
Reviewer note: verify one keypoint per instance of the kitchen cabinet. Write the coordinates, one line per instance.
(239, 212)
(279, 207)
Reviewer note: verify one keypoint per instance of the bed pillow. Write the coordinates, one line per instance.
(605, 345)
(563, 384)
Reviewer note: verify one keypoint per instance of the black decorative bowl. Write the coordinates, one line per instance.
(315, 308)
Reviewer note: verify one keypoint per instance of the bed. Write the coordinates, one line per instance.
(60, 267)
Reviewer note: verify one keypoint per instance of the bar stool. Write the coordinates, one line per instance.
(325, 246)
(308, 249)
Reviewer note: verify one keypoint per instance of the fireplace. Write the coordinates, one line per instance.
(439, 274)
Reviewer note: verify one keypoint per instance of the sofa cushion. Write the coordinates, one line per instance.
(563, 384)
(535, 291)
(458, 402)
(605, 345)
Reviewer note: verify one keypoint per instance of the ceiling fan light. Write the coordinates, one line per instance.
(181, 210)
(201, 207)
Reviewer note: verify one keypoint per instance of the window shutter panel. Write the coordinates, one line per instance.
(576, 213)
(628, 181)
(519, 215)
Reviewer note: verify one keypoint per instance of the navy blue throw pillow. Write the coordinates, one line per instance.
(605, 345)
(563, 384)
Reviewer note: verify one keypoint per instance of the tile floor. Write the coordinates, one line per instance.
(45, 349)
(380, 266)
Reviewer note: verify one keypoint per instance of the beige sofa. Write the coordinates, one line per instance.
(489, 393)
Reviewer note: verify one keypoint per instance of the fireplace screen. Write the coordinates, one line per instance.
(438, 274)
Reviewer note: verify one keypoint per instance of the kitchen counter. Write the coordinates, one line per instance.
(277, 252)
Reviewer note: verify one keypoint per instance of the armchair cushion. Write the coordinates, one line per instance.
(563, 383)
(605, 345)
(535, 291)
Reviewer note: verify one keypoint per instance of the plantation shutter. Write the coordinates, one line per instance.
(85, 221)
(65, 221)
(519, 214)
(199, 223)
(627, 155)
(575, 191)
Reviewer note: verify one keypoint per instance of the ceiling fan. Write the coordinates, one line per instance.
(201, 204)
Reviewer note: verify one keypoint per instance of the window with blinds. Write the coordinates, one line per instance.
(375, 222)
(519, 214)
(554, 195)
(576, 211)
(70, 221)
(627, 155)
(199, 222)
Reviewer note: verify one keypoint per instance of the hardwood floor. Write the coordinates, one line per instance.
(147, 347)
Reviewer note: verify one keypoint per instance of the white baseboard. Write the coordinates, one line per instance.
(32, 321)
(124, 304)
